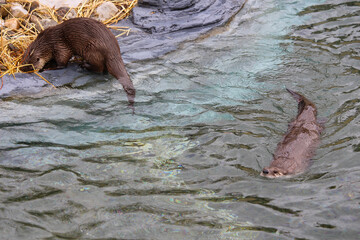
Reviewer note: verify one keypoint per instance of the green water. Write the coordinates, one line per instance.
(75, 163)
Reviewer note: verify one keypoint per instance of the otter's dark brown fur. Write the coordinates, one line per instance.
(83, 37)
(293, 153)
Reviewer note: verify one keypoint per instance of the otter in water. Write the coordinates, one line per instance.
(293, 153)
(83, 37)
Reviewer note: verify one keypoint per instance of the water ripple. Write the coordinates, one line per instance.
(76, 163)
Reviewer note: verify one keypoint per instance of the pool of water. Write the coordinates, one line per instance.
(76, 163)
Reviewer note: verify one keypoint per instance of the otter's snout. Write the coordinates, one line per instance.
(27, 68)
(265, 173)
(273, 172)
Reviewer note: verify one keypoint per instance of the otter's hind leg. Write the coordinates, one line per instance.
(94, 61)
(93, 67)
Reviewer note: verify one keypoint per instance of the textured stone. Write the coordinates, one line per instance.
(106, 10)
(41, 24)
(12, 23)
(61, 3)
(45, 23)
(65, 12)
(18, 11)
(34, 19)
(4, 10)
(31, 6)
(71, 14)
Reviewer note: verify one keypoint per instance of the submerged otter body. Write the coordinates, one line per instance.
(293, 153)
(83, 37)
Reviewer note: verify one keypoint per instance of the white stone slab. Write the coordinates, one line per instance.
(61, 3)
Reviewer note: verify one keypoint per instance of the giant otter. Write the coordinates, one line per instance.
(83, 37)
(293, 153)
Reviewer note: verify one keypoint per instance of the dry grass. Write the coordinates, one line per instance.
(13, 43)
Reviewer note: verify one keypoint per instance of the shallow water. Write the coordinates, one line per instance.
(75, 163)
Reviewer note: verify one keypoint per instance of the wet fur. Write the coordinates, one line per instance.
(83, 37)
(293, 153)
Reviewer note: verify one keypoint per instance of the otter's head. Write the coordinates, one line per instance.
(37, 54)
(273, 172)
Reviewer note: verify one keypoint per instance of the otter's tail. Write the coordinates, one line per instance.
(296, 95)
(302, 101)
(117, 68)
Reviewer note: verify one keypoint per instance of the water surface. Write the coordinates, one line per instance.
(75, 163)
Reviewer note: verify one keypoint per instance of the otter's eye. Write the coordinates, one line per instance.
(276, 172)
(38, 59)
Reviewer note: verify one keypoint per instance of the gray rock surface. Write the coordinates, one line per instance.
(158, 26)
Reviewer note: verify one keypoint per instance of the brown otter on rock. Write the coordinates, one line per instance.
(83, 37)
(293, 153)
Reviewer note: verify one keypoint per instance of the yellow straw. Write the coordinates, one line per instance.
(45, 80)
